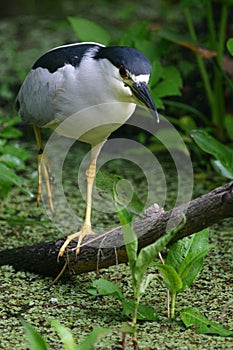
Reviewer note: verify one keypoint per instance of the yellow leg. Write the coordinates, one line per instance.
(43, 170)
(86, 228)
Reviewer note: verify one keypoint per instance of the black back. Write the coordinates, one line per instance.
(133, 60)
(58, 57)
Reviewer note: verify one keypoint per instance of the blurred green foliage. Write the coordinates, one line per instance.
(205, 25)
(12, 156)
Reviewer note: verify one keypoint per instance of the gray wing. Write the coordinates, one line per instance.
(49, 92)
(37, 95)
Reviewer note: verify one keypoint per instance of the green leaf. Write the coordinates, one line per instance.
(10, 133)
(187, 124)
(173, 76)
(156, 73)
(130, 238)
(148, 254)
(190, 268)
(191, 265)
(136, 33)
(2, 143)
(5, 188)
(165, 89)
(228, 124)
(191, 316)
(105, 287)
(7, 129)
(210, 145)
(64, 334)
(12, 161)
(221, 169)
(170, 85)
(198, 242)
(221, 152)
(164, 81)
(131, 244)
(92, 338)
(171, 278)
(89, 31)
(10, 121)
(186, 256)
(158, 101)
(177, 253)
(145, 282)
(35, 340)
(230, 45)
(105, 183)
(144, 312)
(145, 46)
(16, 151)
(7, 179)
(126, 197)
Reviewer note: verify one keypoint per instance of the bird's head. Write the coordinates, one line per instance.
(129, 72)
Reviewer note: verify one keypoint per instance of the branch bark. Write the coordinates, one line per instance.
(107, 249)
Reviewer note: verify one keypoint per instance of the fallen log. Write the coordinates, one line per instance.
(107, 249)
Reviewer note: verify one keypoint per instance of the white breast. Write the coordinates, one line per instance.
(96, 123)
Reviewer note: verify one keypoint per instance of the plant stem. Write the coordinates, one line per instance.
(135, 311)
(222, 31)
(134, 320)
(168, 292)
(219, 112)
(173, 303)
(200, 62)
(210, 22)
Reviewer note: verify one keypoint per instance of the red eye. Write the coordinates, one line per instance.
(122, 71)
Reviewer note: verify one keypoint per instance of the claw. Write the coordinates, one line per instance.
(85, 230)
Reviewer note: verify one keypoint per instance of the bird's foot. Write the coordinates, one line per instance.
(85, 230)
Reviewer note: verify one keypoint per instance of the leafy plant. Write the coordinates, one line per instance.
(87, 30)
(183, 263)
(230, 46)
(139, 262)
(223, 155)
(191, 316)
(37, 342)
(105, 287)
(12, 157)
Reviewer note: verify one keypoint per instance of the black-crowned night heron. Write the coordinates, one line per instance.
(72, 78)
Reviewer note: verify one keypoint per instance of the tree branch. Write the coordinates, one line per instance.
(107, 249)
